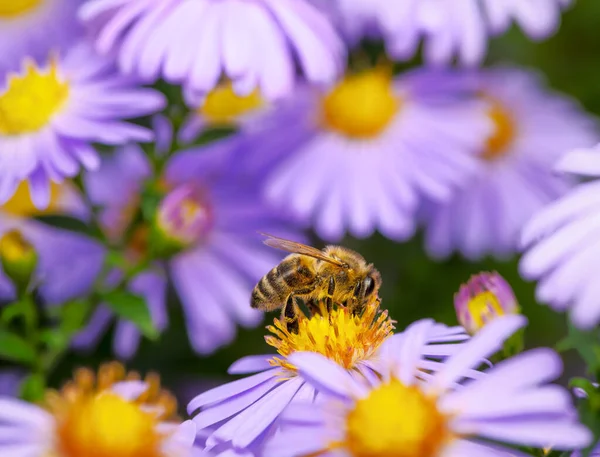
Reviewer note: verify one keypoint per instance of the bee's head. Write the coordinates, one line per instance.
(367, 286)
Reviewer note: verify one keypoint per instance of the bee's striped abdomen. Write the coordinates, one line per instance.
(291, 276)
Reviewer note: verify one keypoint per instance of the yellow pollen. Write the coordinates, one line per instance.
(362, 105)
(30, 100)
(223, 106)
(14, 247)
(11, 8)
(483, 307)
(21, 205)
(92, 421)
(504, 132)
(395, 420)
(339, 336)
(108, 426)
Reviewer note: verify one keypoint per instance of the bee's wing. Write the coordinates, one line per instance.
(299, 248)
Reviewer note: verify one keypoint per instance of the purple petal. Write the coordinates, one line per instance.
(324, 375)
(230, 389)
(250, 364)
(488, 341)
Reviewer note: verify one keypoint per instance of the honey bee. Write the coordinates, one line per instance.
(333, 275)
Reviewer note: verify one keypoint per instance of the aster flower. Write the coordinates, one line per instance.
(359, 157)
(112, 415)
(34, 28)
(255, 44)
(205, 228)
(223, 108)
(426, 417)
(532, 129)
(67, 262)
(240, 415)
(448, 29)
(561, 244)
(483, 298)
(50, 115)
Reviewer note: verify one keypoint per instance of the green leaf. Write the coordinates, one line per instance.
(16, 349)
(10, 312)
(74, 315)
(64, 222)
(33, 388)
(132, 308)
(585, 343)
(590, 417)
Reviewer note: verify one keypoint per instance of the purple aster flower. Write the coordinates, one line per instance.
(108, 415)
(206, 229)
(532, 129)
(561, 244)
(52, 113)
(33, 28)
(67, 262)
(223, 108)
(483, 298)
(253, 43)
(240, 415)
(511, 403)
(448, 29)
(359, 157)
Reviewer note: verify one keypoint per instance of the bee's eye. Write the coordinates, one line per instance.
(369, 286)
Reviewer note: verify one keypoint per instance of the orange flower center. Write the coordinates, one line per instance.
(504, 132)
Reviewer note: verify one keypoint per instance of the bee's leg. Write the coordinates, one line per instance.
(329, 299)
(289, 315)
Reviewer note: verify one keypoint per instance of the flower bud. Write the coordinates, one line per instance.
(184, 218)
(19, 258)
(484, 297)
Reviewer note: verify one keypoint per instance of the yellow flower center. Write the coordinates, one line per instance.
(361, 106)
(108, 426)
(14, 247)
(483, 307)
(504, 132)
(395, 420)
(92, 421)
(223, 106)
(30, 100)
(10, 8)
(339, 336)
(21, 205)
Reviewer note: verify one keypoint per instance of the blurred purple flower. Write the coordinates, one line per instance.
(207, 223)
(511, 403)
(515, 177)
(68, 262)
(33, 28)
(255, 44)
(223, 108)
(52, 114)
(96, 416)
(360, 157)
(448, 29)
(239, 416)
(562, 244)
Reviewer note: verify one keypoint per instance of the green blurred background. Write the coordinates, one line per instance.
(413, 285)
